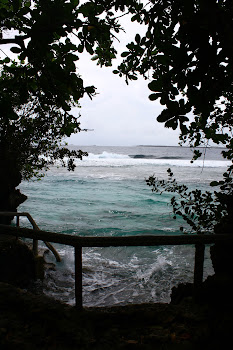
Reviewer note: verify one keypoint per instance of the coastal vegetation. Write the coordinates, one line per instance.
(39, 84)
(186, 53)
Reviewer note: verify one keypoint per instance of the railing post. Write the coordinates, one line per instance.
(35, 241)
(35, 247)
(17, 224)
(78, 277)
(199, 264)
(17, 220)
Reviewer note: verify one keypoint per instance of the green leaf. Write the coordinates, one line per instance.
(125, 54)
(75, 3)
(173, 106)
(137, 38)
(89, 48)
(214, 183)
(90, 90)
(95, 57)
(163, 59)
(172, 123)
(133, 77)
(80, 48)
(22, 56)
(154, 97)
(164, 116)
(6, 60)
(155, 85)
(15, 49)
(24, 10)
(134, 18)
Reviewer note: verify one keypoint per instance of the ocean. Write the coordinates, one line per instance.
(107, 195)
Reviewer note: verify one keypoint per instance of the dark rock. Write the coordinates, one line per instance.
(30, 321)
(221, 256)
(181, 292)
(17, 262)
(216, 290)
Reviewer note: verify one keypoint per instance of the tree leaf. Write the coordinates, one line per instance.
(15, 49)
(214, 183)
(155, 85)
(137, 38)
(154, 97)
(164, 116)
(125, 54)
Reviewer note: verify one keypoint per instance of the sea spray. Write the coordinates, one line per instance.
(107, 196)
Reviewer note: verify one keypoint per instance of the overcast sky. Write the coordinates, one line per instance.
(120, 114)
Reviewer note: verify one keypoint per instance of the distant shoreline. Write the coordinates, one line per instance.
(218, 147)
(158, 146)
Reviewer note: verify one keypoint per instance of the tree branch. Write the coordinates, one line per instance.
(17, 40)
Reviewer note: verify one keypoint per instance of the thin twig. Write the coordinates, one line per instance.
(4, 53)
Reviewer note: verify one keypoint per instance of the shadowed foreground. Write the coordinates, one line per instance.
(30, 321)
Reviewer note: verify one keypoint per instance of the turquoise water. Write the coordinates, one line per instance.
(107, 196)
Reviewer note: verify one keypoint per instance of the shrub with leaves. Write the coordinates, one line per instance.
(203, 211)
(186, 54)
(40, 83)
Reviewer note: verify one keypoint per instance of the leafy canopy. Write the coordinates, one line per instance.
(187, 55)
(39, 87)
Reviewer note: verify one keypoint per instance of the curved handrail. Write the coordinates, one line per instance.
(78, 242)
(35, 227)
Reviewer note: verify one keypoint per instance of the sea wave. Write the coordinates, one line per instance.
(151, 156)
(111, 159)
(106, 159)
(107, 155)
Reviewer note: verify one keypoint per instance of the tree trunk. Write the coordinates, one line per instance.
(10, 178)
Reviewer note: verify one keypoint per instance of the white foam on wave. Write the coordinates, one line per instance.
(107, 155)
(146, 273)
(106, 159)
(117, 160)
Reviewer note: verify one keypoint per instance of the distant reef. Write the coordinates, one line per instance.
(143, 156)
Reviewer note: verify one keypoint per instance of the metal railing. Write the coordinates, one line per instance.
(199, 241)
(35, 227)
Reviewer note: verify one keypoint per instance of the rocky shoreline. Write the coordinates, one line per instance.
(29, 321)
